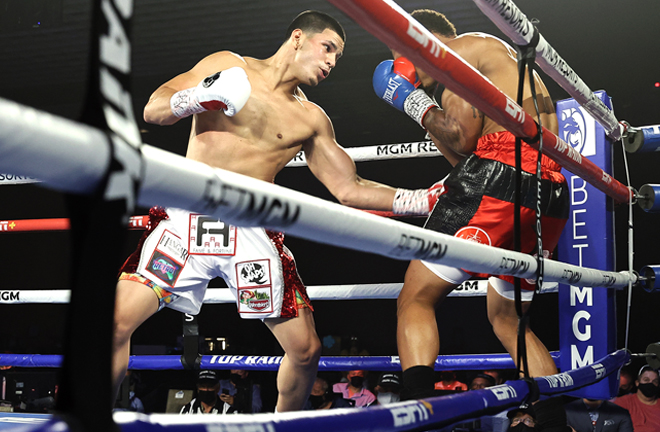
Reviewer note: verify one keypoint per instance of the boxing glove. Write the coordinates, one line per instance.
(227, 90)
(396, 82)
(417, 202)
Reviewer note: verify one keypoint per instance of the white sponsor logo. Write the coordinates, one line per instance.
(425, 39)
(578, 130)
(409, 414)
(503, 392)
(560, 380)
(599, 369)
(515, 111)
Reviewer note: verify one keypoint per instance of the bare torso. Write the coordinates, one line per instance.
(263, 136)
(497, 61)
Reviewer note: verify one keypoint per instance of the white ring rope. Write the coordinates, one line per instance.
(381, 152)
(381, 291)
(514, 23)
(77, 157)
(410, 150)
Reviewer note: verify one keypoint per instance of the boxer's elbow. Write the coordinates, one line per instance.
(162, 116)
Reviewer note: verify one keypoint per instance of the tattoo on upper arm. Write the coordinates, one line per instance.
(476, 113)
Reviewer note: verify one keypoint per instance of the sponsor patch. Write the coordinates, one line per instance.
(474, 234)
(253, 273)
(171, 245)
(252, 300)
(164, 268)
(255, 293)
(211, 236)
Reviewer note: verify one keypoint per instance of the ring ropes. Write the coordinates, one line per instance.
(219, 195)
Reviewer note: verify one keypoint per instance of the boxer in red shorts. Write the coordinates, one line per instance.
(478, 203)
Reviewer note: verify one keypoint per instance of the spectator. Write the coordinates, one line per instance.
(524, 415)
(626, 383)
(496, 423)
(241, 392)
(354, 390)
(496, 374)
(322, 398)
(388, 389)
(207, 400)
(448, 381)
(643, 405)
(481, 381)
(592, 415)
(547, 416)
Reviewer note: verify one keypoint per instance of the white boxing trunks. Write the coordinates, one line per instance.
(184, 251)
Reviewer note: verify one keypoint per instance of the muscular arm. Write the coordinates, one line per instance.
(158, 111)
(456, 128)
(336, 170)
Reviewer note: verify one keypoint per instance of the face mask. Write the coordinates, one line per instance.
(208, 397)
(357, 381)
(648, 389)
(521, 427)
(622, 392)
(316, 401)
(236, 379)
(388, 398)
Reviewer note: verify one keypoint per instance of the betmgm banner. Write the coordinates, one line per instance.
(587, 319)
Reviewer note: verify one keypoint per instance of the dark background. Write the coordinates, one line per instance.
(612, 45)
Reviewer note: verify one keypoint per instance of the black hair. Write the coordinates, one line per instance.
(435, 22)
(313, 22)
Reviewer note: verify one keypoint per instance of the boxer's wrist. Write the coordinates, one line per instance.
(418, 104)
(411, 202)
(184, 103)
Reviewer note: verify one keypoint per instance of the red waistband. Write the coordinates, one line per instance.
(501, 146)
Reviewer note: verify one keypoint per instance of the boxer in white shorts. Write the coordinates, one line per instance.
(183, 251)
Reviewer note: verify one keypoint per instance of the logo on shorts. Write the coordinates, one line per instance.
(164, 267)
(211, 236)
(474, 234)
(254, 274)
(257, 300)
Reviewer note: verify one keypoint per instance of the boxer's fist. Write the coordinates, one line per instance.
(417, 202)
(227, 90)
(396, 82)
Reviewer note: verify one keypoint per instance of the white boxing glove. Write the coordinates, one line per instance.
(227, 90)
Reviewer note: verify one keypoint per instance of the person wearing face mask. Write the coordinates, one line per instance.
(240, 392)
(547, 416)
(643, 405)
(321, 398)
(207, 400)
(354, 389)
(388, 389)
(626, 383)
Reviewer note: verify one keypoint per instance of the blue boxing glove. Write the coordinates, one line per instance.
(396, 82)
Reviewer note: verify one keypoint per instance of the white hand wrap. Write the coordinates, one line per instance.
(228, 90)
(411, 202)
(417, 104)
(184, 103)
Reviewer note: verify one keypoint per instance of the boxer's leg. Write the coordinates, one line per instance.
(302, 348)
(417, 329)
(134, 303)
(504, 318)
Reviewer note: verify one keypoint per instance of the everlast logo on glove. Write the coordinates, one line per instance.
(209, 80)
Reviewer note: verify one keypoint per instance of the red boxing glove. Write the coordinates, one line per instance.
(406, 70)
